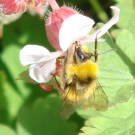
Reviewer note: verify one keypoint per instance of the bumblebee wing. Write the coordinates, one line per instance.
(98, 100)
(66, 110)
(69, 104)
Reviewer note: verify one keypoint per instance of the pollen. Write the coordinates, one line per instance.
(83, 71)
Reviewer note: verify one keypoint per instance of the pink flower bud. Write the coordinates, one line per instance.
(13, 6)
(54, 22)
(46, 87)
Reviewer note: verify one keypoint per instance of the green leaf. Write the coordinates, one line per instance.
(126, 20)
(12, 66)
(116, 69)
(4, 130)
(2, 77)
(14, 91)
(24, 76)
(119, 119)
(43, 117)
(3, 103)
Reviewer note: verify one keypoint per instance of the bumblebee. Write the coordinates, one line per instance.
(80, 86)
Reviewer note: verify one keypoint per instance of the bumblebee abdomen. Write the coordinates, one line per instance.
(79, 93)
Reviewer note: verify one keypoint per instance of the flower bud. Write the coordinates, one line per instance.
(13, 6)
(46, 87)
(54, 22)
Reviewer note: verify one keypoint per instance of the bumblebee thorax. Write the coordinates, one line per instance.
(83, 71)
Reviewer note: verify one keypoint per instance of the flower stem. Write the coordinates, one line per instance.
(54, 4)
(100, 11)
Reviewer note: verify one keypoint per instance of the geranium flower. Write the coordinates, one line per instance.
(76, 27)
(42, 62)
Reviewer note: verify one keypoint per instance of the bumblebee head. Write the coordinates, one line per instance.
(81, 54)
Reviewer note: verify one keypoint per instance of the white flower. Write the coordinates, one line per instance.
(77, 28)
(41, 61)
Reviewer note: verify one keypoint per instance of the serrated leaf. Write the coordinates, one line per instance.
(43, 118)
(119, 119)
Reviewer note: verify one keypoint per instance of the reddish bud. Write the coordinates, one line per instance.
(54, 22)
(46, 87)
(13, 6)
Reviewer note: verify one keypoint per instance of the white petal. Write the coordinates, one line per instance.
(74, 28)
(42, 72)
(54, 55)
(107, 26)
(34, 54)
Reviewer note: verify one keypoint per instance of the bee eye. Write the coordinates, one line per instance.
(80, 54)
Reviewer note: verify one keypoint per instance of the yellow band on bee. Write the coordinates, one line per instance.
(83, 71)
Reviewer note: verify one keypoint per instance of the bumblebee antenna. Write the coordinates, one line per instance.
(106, 51)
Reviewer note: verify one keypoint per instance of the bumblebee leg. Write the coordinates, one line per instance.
(74, 58)
(76, 45)
(65, 60)
(58, 84)
(96, 52)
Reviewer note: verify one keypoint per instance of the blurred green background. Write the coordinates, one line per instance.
(27, 109)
